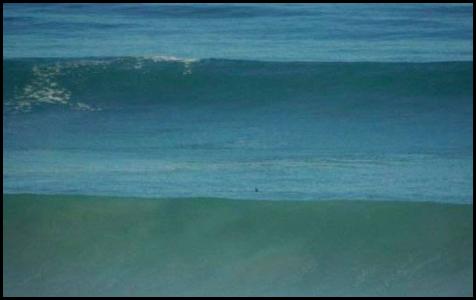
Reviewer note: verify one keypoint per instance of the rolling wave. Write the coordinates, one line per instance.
(94, 84)
(131, 119)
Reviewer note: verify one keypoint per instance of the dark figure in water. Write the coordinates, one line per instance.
(256, 190)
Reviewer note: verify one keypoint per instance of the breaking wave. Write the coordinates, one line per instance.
(94, 84)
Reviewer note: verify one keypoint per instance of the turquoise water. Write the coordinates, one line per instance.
(100, 246)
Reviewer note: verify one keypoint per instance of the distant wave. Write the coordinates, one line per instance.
(94, 84)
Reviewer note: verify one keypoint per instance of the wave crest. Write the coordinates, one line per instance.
(99, 83)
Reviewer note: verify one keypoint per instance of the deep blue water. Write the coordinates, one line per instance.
(293, 32)
(299, 101)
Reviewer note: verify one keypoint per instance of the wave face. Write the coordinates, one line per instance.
(84, 246)
(148, 126)
(119, 82)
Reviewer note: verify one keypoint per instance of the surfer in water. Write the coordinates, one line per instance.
(256, 189)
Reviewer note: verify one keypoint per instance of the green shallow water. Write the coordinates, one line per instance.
(101, 246)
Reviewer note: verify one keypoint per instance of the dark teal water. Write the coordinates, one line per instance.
(161, 127)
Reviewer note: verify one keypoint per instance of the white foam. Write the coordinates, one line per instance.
(161, 58)
(44, 88)
(187, 62)
(85, 107)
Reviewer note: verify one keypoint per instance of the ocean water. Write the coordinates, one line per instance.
(132, 132)
(106, 246)
(284, 32)
(248, 101)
